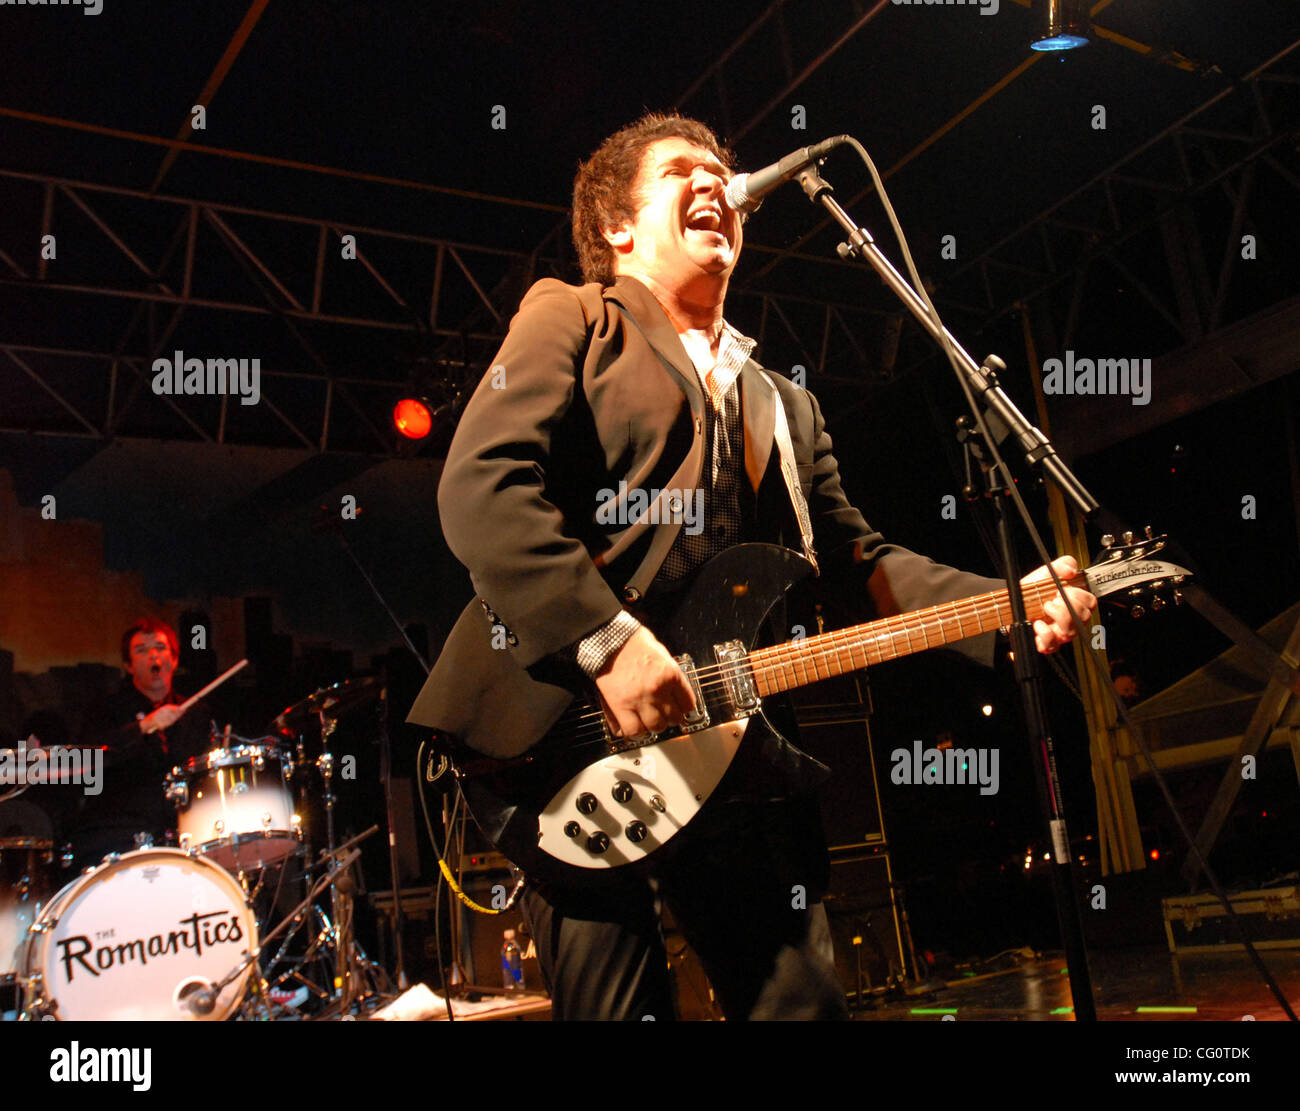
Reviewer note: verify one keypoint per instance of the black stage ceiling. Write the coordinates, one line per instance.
(445, 137)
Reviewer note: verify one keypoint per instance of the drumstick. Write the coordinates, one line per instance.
(211, 686)
(180, 710)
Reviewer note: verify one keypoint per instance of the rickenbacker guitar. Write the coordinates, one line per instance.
(581, 805)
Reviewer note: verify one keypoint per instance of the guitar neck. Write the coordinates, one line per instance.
(800, 662)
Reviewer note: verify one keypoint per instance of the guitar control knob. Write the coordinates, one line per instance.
(587, 803)
(597, 843)
(656, 803)
(636, 831)
(572, 829)
(622, 791)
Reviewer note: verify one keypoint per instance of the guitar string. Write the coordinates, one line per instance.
(785, 658)
(796, 656)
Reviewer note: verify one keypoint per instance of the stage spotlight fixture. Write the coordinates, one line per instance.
(412, 418)
(1062, 25)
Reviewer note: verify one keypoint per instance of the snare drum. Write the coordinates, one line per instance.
(234, 805)
(135, 938)
(26, 883)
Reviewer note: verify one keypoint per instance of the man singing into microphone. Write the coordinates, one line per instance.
(635, 381)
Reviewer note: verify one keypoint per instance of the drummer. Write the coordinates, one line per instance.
(145, 735)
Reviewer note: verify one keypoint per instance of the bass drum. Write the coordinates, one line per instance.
(139, 937)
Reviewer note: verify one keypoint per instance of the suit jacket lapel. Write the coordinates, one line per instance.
(659, 330)
(758, 399)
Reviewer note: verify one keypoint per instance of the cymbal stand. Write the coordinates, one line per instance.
(345, 858)
(333, 948)
(355, 976)
(325, 765)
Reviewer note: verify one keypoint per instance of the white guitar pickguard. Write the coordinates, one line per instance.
(682, 772)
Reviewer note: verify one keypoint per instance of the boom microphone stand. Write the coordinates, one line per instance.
(991, 406)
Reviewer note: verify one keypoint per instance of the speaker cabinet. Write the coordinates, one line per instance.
(866, 920)
(835, 727)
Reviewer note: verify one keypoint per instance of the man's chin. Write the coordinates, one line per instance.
(716, 264)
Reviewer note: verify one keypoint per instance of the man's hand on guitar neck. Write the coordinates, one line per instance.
(1055, 628)
(643, 689)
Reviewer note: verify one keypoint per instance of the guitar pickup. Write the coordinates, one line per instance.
(736, 675)
(698, 718)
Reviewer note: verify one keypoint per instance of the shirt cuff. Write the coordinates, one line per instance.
(594, 650)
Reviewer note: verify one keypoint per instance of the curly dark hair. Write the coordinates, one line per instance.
(150, 625)
(603, 190)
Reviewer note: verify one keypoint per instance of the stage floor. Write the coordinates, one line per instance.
(1132, 985)
(1128, 986)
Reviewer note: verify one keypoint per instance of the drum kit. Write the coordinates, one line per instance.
(176, 933)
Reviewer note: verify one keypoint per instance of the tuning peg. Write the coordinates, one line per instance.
(1128, 536)
(1139, 611)
(1108, 541)
(1178, 579)
(1150, 534)
(1178, 597)
(1157, 603)
(1157, 585)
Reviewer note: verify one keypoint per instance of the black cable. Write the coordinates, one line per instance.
(437, 891)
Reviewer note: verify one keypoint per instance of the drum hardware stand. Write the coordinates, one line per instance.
(209, 994)
(350, 973)
(260, 995)
(352, 968)
(338, 895)
(295, 975)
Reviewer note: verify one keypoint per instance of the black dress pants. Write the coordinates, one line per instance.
(745, 889)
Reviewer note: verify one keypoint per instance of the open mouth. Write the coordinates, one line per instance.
(705, 220)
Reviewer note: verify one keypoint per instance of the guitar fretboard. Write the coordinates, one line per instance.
(800, 662)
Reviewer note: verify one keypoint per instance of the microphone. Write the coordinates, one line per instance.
(745, 192)
(197, 996)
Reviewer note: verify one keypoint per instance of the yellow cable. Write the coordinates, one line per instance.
(442, 864)
(456, 890)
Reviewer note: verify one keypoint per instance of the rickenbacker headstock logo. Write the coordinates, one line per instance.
(198, 933)
(1145, 568)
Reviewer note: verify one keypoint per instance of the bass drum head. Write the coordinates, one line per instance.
(136, 937)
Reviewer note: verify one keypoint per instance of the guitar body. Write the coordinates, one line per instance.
(581, 805)
(578, 805)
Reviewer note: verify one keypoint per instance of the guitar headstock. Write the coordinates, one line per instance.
(1130, 574)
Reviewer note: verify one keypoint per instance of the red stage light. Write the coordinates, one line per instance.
(412, 418)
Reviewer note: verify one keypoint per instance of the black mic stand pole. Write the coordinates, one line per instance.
(982, 381)
(385, 758)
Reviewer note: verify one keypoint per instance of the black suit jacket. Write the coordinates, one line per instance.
(579, 399)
